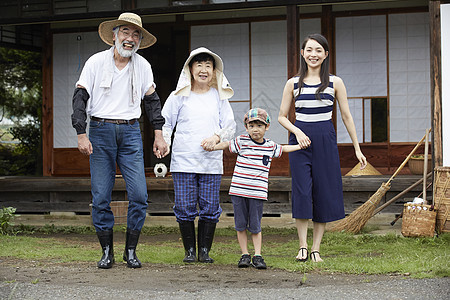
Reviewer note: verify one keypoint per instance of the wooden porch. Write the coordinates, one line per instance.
(41, 195)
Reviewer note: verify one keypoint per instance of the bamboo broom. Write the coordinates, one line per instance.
(359, 217)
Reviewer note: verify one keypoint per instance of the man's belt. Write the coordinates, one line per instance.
(114, 121)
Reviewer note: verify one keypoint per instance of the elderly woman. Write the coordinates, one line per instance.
(203, 117)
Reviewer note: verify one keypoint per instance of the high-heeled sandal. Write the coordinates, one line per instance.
(313, 256)
(305, 257)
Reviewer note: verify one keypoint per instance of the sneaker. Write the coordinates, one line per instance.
(258, 262)
(245, 260)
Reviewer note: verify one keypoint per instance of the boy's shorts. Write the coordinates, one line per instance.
(247, 214)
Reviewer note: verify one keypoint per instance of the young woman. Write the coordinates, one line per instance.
(315, 170)
(203, 117)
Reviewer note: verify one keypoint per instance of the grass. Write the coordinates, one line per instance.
(364, 253)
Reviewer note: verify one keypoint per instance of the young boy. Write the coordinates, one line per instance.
(249, 184)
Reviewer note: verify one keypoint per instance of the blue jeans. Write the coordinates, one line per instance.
(121, 144)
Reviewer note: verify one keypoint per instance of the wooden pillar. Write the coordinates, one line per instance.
(293, 36)
(128, 4)
(328, 30)
(435, 80)
(47, 101)
(293, 47)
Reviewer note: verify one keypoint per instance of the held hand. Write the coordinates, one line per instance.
(160, 147)
(209, 143)
(303, 140)
(362, 159)
(84, 145)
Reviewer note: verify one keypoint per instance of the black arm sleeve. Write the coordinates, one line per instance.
(152, 106)
(79, 101)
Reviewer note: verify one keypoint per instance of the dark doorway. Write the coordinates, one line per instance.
(379, 119)
(167, 57)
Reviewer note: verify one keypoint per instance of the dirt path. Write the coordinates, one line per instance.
(26, 279)
(168, 277)
(35, 280)
(164, 277)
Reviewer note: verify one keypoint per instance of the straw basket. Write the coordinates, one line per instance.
(416, 162)
(418, 220)
(119, 210)
(441, 198)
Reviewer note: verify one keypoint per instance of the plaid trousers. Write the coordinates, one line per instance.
(193, 188)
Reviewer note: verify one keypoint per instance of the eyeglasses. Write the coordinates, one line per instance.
(127, 33)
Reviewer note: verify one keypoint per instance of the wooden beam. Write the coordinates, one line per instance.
(436, 84)
(47, 101)
(328, 30)
(293, 47)
(293, 36)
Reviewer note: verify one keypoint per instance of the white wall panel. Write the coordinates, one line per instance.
(269, 71)
(368, 121)
(239, 110)
(409, 80)
(356, 109)
(231, 43)
(307, 27)
(361, 63)
(361, 55)
(70, 52)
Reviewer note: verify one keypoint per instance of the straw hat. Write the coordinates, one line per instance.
(105, 29)
(368, 170)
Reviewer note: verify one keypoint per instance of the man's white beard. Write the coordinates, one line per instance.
(126, 53)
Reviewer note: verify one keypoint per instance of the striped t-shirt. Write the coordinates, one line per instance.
(308, 108)
(251, 173)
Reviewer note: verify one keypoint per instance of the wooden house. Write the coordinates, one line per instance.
(387, 53)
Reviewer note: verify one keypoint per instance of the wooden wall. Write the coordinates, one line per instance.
(385, 158)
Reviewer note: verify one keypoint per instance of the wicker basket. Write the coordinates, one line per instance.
(415, 164)
(441, 197)
(418, 220)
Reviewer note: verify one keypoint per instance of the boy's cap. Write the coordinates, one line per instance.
(257, 114)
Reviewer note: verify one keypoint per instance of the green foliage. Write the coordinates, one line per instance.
(21, 102)
(6, 217)
(21, 82)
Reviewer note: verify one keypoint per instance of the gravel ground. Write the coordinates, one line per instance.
(393, 289)
(199, 281)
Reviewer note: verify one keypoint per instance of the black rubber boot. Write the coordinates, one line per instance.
(187, 230)
(106, 241)
(129, 255)
(205, 238)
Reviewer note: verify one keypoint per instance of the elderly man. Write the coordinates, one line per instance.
(110, 90)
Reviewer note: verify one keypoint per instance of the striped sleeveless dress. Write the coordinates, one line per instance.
(316, 172)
